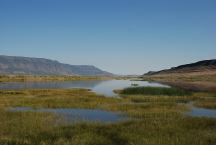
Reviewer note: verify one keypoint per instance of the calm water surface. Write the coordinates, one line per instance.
(103, 87)
(73, 115)
(201, 112)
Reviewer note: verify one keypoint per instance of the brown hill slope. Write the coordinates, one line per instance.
(198, 67)
(199, 76)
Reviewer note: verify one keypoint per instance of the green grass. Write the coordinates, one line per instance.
(35, 78)
(54, 98)
(155, 91)
(28, 129)
(155, 120)
(209, 104)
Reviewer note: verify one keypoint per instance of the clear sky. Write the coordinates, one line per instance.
(120, 36)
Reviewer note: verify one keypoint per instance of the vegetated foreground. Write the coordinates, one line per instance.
(155, 119)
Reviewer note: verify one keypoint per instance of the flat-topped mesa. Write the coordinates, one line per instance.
(41, 66)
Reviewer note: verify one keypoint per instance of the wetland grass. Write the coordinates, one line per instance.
(39, 78)
(209, 104)
(155, 91)
(155, 120)
(54, 98)
(36, 129)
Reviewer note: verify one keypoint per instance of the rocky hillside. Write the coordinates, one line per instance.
(201, 66)
(41, 66)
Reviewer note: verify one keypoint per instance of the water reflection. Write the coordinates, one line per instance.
(74, 115)
(104, 87)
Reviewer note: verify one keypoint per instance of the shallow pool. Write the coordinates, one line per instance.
(202, 112)
(74, 115)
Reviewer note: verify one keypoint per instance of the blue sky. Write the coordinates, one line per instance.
(120, 36)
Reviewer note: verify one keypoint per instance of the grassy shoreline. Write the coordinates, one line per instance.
(38, 78)
(155, 91)
(158, 119)
(189, 81)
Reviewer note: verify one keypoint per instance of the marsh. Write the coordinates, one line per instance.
(102, 87)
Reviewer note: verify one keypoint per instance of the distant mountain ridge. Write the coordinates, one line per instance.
(42, 66)
(205, 65)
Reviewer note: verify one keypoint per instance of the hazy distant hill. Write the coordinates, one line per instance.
(41, 66)
(201, 66)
